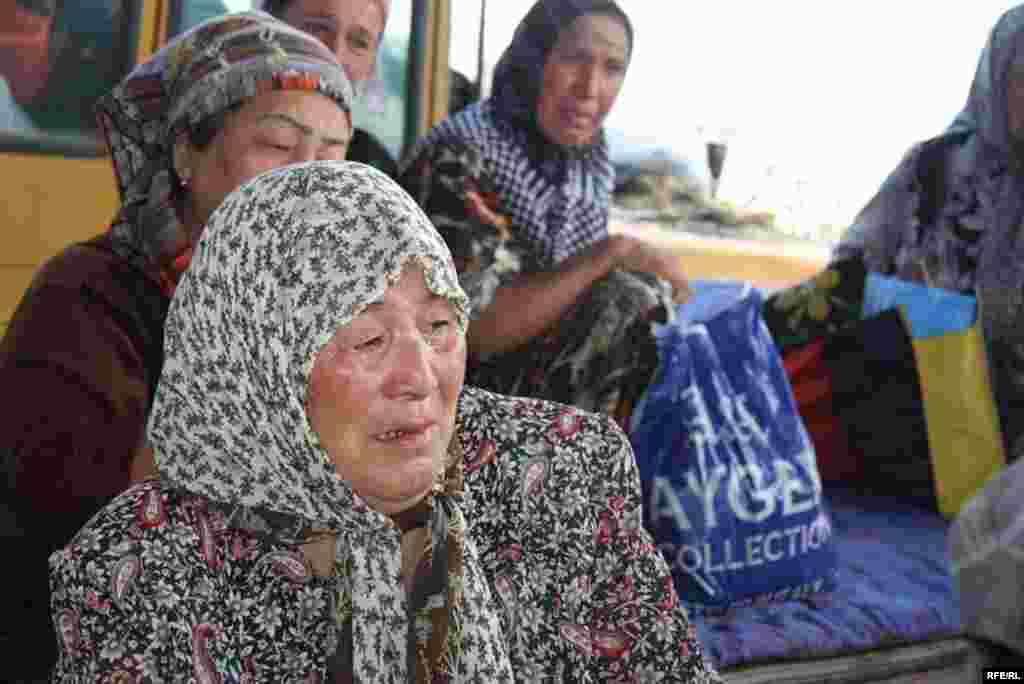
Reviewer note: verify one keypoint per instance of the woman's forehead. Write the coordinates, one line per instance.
(407, 298)
(308, 106)
(411, 289)
(602, 31)
(371, 13)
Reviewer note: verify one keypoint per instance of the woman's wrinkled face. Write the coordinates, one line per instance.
(383, 391)
(271, 130)
(351, 29)
(582, 79)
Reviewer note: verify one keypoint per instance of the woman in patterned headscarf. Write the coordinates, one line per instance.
(236, 96)
(951, 213)
(351, 29)
(520, 187)
(333, 506)
(354, 31)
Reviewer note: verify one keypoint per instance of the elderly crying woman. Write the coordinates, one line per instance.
(333, 505)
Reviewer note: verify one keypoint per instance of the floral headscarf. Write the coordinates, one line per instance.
(559, 197)
(285, 261)
(951, 215)
(217, 65)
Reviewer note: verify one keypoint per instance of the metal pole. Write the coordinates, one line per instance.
(716, 162)
(480, 49)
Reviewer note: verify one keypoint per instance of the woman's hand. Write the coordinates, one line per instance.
(636, 254)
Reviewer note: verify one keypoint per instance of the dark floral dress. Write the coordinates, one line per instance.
(600, 356)
(160, 586)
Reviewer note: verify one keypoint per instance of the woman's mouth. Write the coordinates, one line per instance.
(408, 436)
(578, 120)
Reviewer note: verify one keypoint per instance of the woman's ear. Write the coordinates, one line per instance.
(182, 156)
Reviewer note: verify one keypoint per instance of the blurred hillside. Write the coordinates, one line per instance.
(657, 184)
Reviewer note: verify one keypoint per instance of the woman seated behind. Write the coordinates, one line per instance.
(333, 505)
(354, 31)
(950, 214)
(520, 187)
(233, 98)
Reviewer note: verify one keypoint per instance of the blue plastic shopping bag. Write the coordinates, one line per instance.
(731, 487)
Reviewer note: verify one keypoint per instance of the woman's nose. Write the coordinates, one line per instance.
(306, 151)
(588, 82)
(412, 375)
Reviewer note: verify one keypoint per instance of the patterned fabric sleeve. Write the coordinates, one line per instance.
(639, 629)
(450, 182)
(98, 582)
(554, 511)
(157, 587)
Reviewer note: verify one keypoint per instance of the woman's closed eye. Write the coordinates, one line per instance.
(369, 343)
(282, 144)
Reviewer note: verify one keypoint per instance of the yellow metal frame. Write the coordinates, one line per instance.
(434, 75)
(154, 27)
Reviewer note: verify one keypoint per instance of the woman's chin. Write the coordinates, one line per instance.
(405, 489)
(390, 505)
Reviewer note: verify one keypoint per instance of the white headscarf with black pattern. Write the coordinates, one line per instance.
(286, 260)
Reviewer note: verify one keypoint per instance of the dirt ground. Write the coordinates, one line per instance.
(769, 265)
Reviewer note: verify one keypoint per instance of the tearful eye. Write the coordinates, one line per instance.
(369, 344)
(440, 330)
(441, 333)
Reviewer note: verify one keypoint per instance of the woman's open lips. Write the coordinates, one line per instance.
(578, 119)
(408, 436)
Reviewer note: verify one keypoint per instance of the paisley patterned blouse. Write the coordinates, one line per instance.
(161, 587)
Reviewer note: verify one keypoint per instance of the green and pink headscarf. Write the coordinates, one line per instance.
(213, 68)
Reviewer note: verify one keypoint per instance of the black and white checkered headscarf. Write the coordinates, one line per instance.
(558, 197)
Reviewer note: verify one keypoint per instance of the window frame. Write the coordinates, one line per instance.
(71, 144)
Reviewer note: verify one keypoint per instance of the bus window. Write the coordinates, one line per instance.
(56, 59)
(383, 109)
(468, 73)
